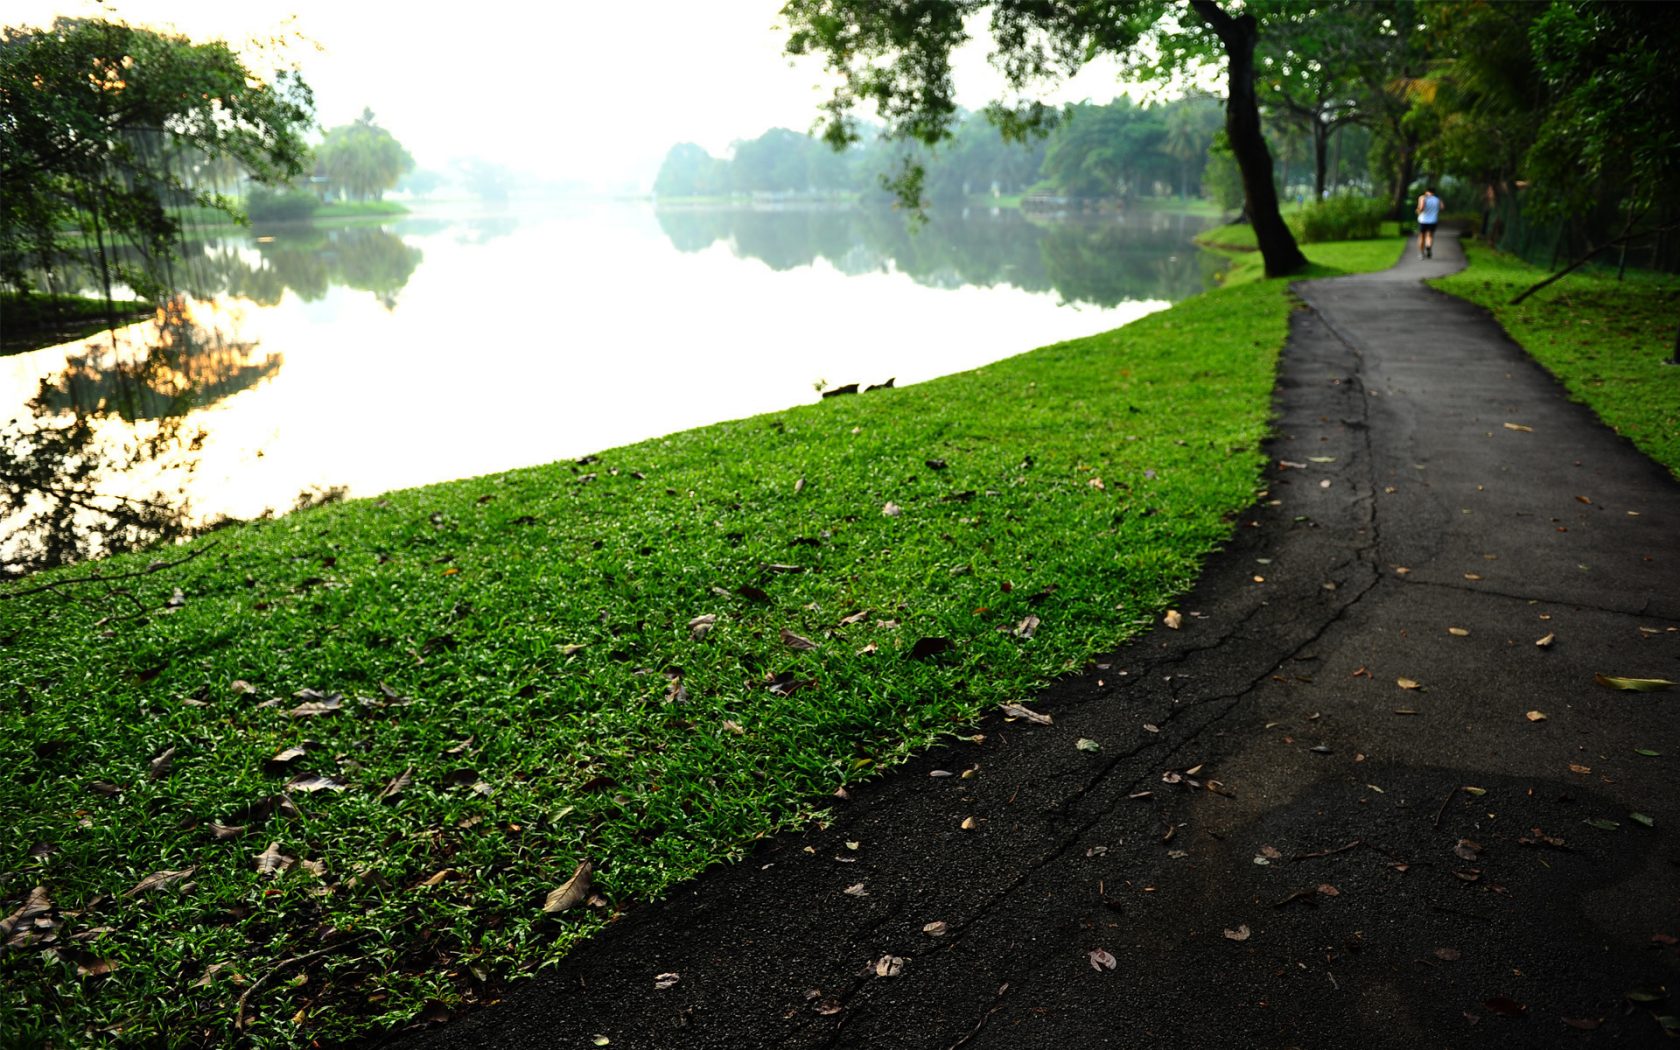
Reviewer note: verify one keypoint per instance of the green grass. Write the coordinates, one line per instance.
(358, 209)
(29, 322)
(1239, 237)
(1605, 340)
(518, 638)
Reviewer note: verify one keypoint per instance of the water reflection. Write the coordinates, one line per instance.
(1097, 260)
(309, 262)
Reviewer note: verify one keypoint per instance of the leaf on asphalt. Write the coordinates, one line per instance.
(1583, 770)
(969, 824)
(1321, 459)
(933, 646)
(1648, 753)
(1406, 683)
(1018, 711)
(1174, 619)
(1535, 716)
(1087, 744)
(157, 879)
(1637, 685)
(828, 1007)
(857, 890)
(794, 641)
(600, 1040)
(397, 785)
(936, 929)
(1101, 958)
(1502, 1005)
(941, 773)
(1642, 819)
(271, 861)
(1329, 890)
(315, 782)
(1650, 994)
(281, 760)
(1151, 728)
(160, 766)
(1471, 576)
(1586, 1024)
(889, 966)
(732, 726)
(1602, 825)
(571, 893)
(1272, 852)
(1478, 792)
(1546, 641)
(1459, 631)
(1530, 430)
(857, 617)
(328, 705)
(665, 980)
(1449, 954)
(1466, 850)
(226, 831)
(1027, 627)
(1241, 933)
(892, 510)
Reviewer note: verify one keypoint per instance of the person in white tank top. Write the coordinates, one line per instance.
(1429, 216)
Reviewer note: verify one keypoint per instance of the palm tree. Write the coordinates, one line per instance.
(362, 159)
(1185, 142)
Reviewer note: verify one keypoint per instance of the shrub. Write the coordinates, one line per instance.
(1340, 218)
(265, 204)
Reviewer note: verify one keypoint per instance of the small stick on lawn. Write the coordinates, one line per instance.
(239, 1014)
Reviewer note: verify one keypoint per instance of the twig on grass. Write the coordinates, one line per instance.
(96, 578)
(239, 1013)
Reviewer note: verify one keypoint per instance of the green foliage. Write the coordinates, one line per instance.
(362, 160)
(1222, 179)
(264, 204)
(85, 160)
(689, 171)
(549, 700)
(1342, 217)
(1108, 151)
(1605, 339)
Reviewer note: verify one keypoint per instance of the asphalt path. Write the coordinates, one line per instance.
(1277, 844)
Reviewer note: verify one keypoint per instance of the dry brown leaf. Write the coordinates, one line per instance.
(1329, 890)
(857, 617)
(857, 890)
(1026, 628)
(271, 861)
(1174, 619)
(397, 785)
(160, 766)
(1519, 426)
(570, 893)
(1101, 958)
(889, 966)
(1018, 711)
(159, 878)
(1241, 933)
(438, 878)
(794, 641)
(1583, 770)
(891, 509)
(225, 831)
(1535, 716)
(1449, 954)
(1406, 683)
(969, 824)
(315, 782)
(935, 929)
(1459, 631)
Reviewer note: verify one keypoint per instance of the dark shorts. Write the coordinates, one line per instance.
(1427, 227)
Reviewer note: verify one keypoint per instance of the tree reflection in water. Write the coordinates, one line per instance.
(70, 471)
(1098, 260)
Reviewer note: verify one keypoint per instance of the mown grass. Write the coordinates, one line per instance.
(1606, 340)
(519, 648)
(1239, 237)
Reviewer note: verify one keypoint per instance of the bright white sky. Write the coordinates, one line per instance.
(563, 88)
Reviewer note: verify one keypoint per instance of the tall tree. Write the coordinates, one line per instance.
(898, 58)
(362, 159)
(1307, 63)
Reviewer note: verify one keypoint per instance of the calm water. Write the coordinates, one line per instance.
(460, 342)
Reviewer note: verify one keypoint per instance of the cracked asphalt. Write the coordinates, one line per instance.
(1425, 867)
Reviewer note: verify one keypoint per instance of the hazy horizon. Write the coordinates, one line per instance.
(539, 88)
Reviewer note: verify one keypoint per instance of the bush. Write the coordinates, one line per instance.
(1340, 218)
(264, 204)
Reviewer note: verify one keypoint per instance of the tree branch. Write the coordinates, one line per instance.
(1578, 263)
(147, 571)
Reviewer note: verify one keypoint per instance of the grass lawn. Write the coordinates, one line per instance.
(1604, 339)
(358, 209)
(385, 730)
(29, 322)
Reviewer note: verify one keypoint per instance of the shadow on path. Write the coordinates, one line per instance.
(1402, 504)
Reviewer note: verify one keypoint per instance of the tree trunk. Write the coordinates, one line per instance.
(1406, 163)
(1248, 143)
(1321, 147)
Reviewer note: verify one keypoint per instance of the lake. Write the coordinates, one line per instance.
(464, 339)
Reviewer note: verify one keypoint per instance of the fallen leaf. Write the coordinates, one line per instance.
(1516, 426)
(271, 861)
(665, 980)
(1406, 683)
(397, 785)
(1499, 1004)
(1086, 744)
(870, 648)
(315, 782)
(570, 893)
(1478, 791)
(1466, 849)
(1573, 768)
(935, 929)
(1241, 933)
(1027, 627)
(794, 641)
(1174, 619)
(1459, 631)
(748, 591)
(600, 1040)
(891, 509)
(157, 879)
(327, 705)
(161, 765)
(1602, 825)
(941, 773)
(969, 824)
(732, 726)
(1586, 1024)
(1151, 728)
(889, 966)
(857, 890)
(1637, 685)
(857, 617)
(1272, 852)
(240, 685)
(1641, 818)
(1404, 711)
(1449, 954)
(1535, 716)
(1101, 958)
(828, 1007)
(1546, 641)
(438, 878)
(225, 831)
(1018, 711)
(926, 647)
(1664, 938)
(1321, 459)
(1471, 576)
(1650, 994)
(1401, 571)
(1329, 890)
(700, 626)
(281, 760)
(1647, 752)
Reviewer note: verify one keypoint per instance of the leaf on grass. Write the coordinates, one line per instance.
(665, 980)
(732, 726)
(870, 648)
(160, 766)
(157, 879)
(748, 591)
(281, 760)
(271, 861)
(1018, 711)
(241, 686)
(571, 893)
(315, 782)
(1449, 954)
(437, 879)
(1101, 958)
(857, 617)
(891, 509)
(794, 641)
(1087, 744)
(1502, 1005)
(1027, 627)
(933, 646)
(109, 790)
(36, 905)
(889, 966)
(787, 683)
(1241, 933)
(936, 929)
(1174, 619)
(327, 705)
(1406, 683)
(1637, 685)
(226, 831)
(397, 785)
(857, 890)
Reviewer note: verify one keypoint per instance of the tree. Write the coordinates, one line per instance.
(107, 130)
(1188, 135)
(362, 159)
(689, 171)
(897, 57)
(1307, 60)
(1105, 151)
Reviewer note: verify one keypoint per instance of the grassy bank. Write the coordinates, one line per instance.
(643, 661)
(29, 322)
(1604, 339)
